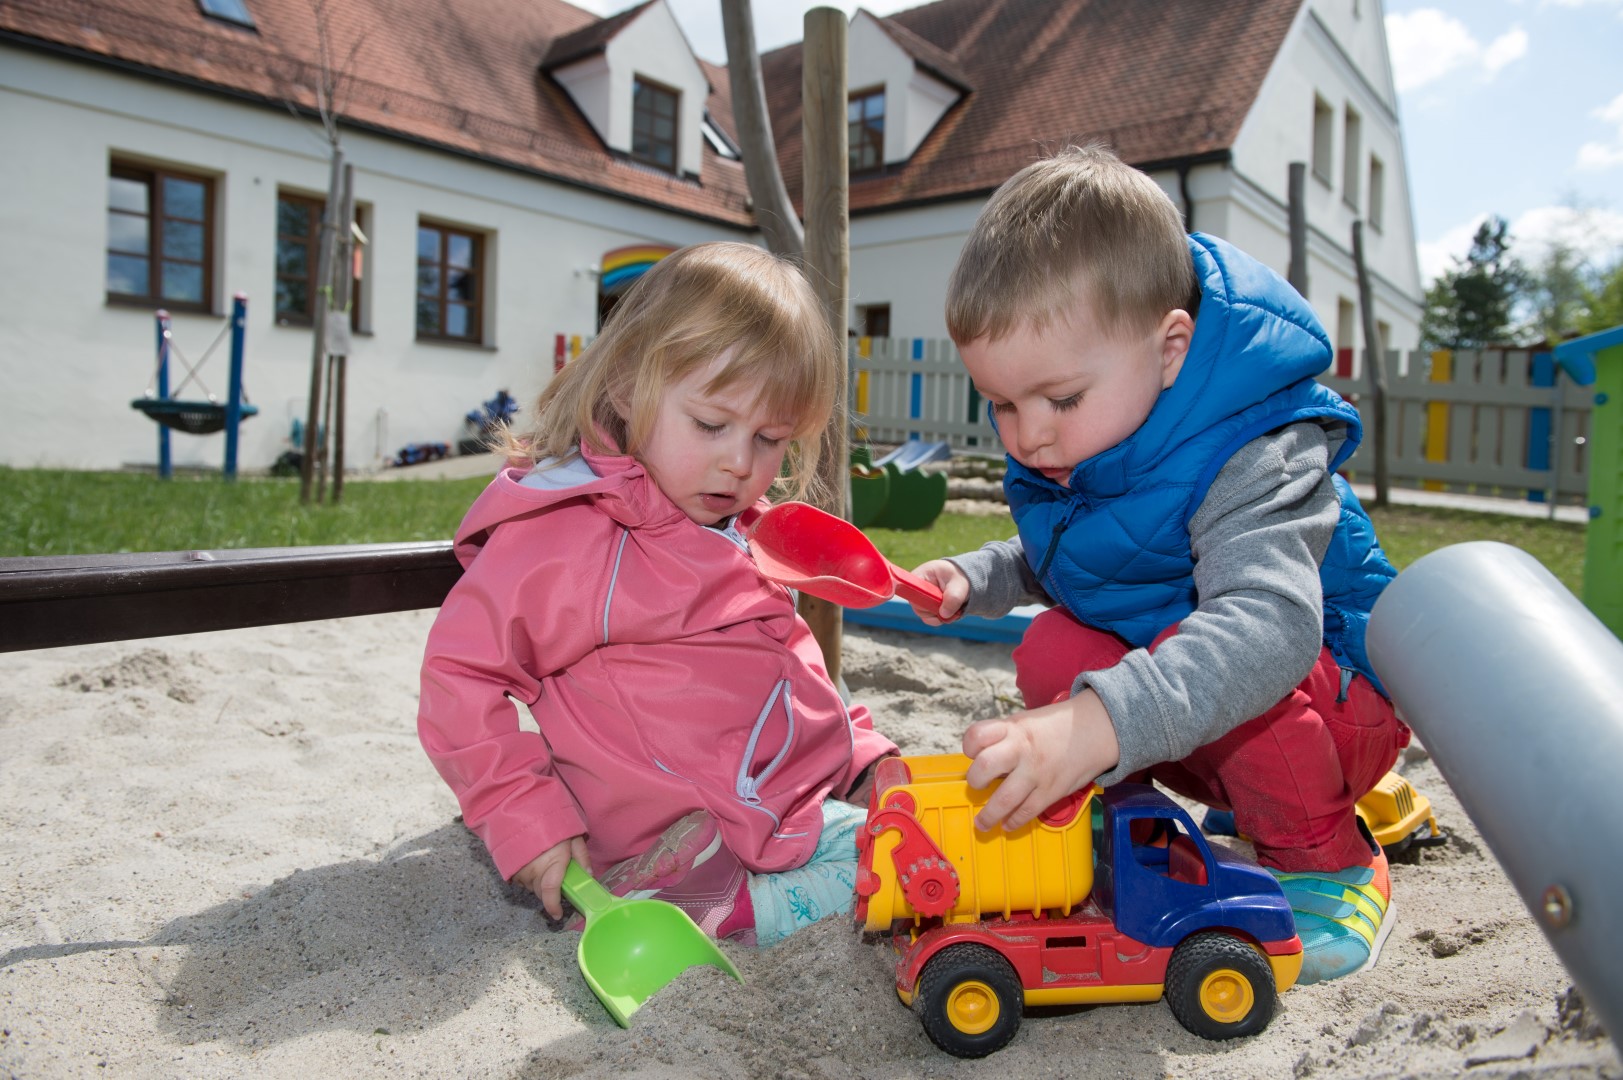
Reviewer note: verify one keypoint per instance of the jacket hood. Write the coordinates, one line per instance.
(616, 483)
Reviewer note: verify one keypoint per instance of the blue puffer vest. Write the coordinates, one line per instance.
(1114, 547)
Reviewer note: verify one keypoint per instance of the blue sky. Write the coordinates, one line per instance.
(1509, 107)
(1515, 108)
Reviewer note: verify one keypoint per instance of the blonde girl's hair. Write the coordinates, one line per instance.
(1080, 223)
(696, 304)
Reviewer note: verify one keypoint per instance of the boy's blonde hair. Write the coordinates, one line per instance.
(1081, 223)
(691, 307)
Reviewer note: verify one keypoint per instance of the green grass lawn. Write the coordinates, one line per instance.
(52, 512)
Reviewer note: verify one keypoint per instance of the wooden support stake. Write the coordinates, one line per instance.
(319, 302)
(827, 211)
(1375, 371)
(344, 287)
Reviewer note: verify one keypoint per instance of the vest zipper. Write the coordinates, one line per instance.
(1075, 504)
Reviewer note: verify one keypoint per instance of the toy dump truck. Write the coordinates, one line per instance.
(1110, 896)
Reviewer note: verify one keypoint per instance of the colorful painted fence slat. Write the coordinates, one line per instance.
(1505, 422)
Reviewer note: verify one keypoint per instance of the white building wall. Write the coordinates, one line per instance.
(73, 361)
(903, 258)
(1318, 59)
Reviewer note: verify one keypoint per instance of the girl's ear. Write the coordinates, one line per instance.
(1172, 338)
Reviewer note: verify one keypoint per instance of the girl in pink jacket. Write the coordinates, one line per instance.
(686, 735)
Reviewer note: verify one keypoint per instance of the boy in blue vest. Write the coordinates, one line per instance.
(1172, 475)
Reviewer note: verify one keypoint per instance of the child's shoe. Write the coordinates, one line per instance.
(685, 844)
(716, 896)
(1343, 917)
(690, 867)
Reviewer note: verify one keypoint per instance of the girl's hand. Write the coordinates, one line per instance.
(544, 875)
(1042, 754)
(954, 586)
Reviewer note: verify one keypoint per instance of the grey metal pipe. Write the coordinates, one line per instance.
(1517, 692)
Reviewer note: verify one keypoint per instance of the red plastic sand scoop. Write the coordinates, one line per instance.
(798, 545)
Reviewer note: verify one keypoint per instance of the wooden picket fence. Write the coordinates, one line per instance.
(1501, 422)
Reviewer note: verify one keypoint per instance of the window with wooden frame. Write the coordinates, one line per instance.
(865, 124)
(1324, 135)
(1352, 156)
(873, 321)
(449, 283)
(160, 237)
(1377, 192)
(298, 255)
(653, 124)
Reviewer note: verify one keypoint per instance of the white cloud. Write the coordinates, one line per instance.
(1438, 255)
(1596, 234)
(1595, 156)
(1504, 49)
(1426, 44)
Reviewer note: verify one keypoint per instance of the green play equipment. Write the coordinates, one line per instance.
(908, 498)
(631, 949)
(870, 488)
(1597, 359)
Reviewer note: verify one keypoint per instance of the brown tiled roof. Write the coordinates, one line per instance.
(464, 75)
(1158, 80)
(935, 60)
(591, 38)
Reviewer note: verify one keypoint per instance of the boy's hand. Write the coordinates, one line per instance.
(544, 875)
(954, 586)
(1042, 754)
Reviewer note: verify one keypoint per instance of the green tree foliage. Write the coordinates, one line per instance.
(1470, 306)
(1603, 304)
(1557, 293)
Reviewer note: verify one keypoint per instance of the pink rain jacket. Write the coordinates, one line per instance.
(665, 673)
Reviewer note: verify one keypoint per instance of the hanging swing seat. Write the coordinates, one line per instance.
(192, 417)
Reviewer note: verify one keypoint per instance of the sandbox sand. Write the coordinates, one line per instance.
(225, 855)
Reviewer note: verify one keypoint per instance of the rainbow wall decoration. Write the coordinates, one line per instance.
(622, 266)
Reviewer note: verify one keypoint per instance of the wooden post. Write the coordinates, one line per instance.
(1375, 369)
(826, 194)
(344, 286)
(319, 302)
(1296, 209)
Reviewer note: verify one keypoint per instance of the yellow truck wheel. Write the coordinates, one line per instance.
(969, 1000)
(1219, 987)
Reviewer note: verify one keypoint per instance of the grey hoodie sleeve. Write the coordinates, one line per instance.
(1258, 539)
(1000, 579)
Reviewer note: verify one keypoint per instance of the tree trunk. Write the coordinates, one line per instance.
(773, 211)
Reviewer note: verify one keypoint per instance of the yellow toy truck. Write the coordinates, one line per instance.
(1109, 896)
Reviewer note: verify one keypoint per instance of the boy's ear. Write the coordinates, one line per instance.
(1173, 336)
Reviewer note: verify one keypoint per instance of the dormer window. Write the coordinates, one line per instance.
(653, 124)
(865, 121)
(718, 140)
(231, 11)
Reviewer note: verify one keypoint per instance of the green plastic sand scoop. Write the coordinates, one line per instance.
(631, 949)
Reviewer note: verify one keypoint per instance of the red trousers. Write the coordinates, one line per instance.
(1291, 775)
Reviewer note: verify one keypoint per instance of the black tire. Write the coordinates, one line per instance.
(969, 1000)
(1219, 987)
